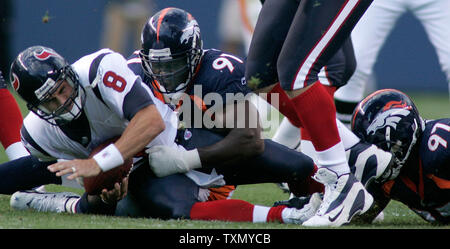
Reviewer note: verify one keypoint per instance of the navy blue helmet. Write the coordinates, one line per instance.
(36, 73)
(389, 119)
(171, 48)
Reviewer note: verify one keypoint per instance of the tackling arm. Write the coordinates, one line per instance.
(240, 142)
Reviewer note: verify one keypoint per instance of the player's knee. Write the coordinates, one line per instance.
(251, 142)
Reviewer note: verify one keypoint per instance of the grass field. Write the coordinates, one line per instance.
(397, 216)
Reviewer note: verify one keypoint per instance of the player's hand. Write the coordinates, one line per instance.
(118, 193)
(76, 168)
(165, 160)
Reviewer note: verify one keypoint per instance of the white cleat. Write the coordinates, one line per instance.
(298, 216)
(367, 161)
(343, 198)
(41, 201)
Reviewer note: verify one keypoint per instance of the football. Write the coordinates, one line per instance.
(106, 180)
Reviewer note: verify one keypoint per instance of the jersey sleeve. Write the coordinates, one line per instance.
(121, 89)
(223, 74)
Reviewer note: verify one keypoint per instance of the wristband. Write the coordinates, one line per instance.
(109, 158)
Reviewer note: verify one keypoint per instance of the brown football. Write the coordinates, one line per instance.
(106, 180)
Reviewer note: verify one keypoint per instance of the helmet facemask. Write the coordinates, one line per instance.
(399, 140)
(70, 109)
(173, 72)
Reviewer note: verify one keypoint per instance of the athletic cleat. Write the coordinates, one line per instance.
(294, 202)
(298, 216)
(344, 197)
(367, 161)
(41, 201)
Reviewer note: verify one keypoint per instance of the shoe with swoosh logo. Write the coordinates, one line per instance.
(344, 197)
(41, 201)
(367, 161)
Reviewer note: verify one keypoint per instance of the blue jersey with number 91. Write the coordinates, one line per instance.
(424, 181)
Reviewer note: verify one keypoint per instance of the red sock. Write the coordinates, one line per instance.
(331, 90)
(317, 113)
(224, 210)
(286, 107)
(231, 210)
(274, 214)
(10, 119)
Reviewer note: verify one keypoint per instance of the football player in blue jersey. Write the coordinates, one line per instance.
(173, 62)
(420, 177)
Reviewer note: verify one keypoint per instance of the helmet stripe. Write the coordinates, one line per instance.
(160, 19)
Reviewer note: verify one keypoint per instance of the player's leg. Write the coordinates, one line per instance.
(368, 37)
(317, 32)
(10, 123)
(25, 173)
(276, 164)
(177, 196)
(261, 73)
(287, 134)
(434, 16)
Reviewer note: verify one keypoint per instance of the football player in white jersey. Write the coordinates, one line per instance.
(76, 107)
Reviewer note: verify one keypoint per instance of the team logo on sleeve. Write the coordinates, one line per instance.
(44, 55)
(187, 134)
(15, 82)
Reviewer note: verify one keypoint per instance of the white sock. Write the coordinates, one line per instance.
(348, 138)
(287, 134)
(307, 148)
(16, 150)
(334, 159)
(260, 214)
(71, 204)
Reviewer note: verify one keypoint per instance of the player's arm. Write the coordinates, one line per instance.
(125, 94)
(239, 116)
(242, 141)
(142, 129)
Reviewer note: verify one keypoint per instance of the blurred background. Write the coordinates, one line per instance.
(75, 28)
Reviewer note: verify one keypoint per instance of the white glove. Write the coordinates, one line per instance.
(165, 160)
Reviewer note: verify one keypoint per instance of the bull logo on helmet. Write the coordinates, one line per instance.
(44, 55)
(15, 82)
(388, 118)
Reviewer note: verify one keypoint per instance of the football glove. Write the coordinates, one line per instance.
(165, 160)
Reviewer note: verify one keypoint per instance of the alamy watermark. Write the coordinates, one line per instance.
(229, 110)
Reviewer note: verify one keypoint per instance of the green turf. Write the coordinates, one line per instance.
(397, 216)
